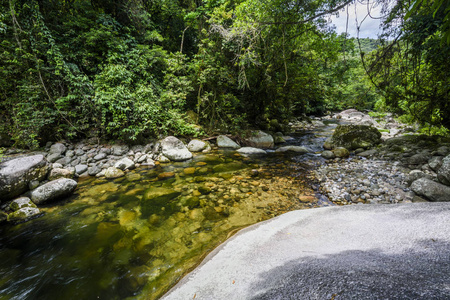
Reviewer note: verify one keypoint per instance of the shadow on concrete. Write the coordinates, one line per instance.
(422, 273)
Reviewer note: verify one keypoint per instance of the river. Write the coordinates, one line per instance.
(136, 236)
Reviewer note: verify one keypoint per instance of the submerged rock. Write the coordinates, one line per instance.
(251, 150)
(174, 149)
(16, 174)
(225, 142)
(53, 190)
(297, 149)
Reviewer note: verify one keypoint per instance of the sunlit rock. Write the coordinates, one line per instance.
(53, 190)
(16, 174)
(112, 173)
(174, 149)
(225, 142)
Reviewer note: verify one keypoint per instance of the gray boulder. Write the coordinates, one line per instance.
(140, 158)
(197, 145)
(418, 159)
(431, 190)
(296, 149)
(225, 142)
(368, 153)
(16, 174)
(416, 174)
(353, 137)
(80, 169)
(64, 161)
(124, 164)
(174, 149)
(444, 171)
(94, 170)
(251, 151)
(119, 150)
(53, 190)
(435, 163)
(52, 157)
(58, 148)
(259, 139)
(100, 156)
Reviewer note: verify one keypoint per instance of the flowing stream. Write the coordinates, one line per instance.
(136, 236)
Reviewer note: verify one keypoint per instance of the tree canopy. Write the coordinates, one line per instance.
(140, 68)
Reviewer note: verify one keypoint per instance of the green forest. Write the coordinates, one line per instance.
(132, 70)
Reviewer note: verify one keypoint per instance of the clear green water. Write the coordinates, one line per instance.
(135, 237)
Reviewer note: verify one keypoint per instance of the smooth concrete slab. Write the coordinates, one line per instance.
(351, 252)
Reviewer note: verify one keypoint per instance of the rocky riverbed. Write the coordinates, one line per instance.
(399, 168)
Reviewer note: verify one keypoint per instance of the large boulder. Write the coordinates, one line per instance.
(16, 174)
(353, 137)
(260, 139)
(174, 149)
(431, 190)
(225, 142)
(444, 171)
(53, 190)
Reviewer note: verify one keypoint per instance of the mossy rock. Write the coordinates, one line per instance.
(23, 214)
(353, 137)
(21, 202)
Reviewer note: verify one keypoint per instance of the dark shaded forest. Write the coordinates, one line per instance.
(136, 69)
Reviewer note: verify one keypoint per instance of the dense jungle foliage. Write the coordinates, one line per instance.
(140, 68)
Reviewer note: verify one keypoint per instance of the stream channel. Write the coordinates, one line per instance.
(136, 236)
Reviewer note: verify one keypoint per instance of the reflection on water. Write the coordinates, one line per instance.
(135, 236)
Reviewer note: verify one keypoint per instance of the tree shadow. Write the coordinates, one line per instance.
(422, 273)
